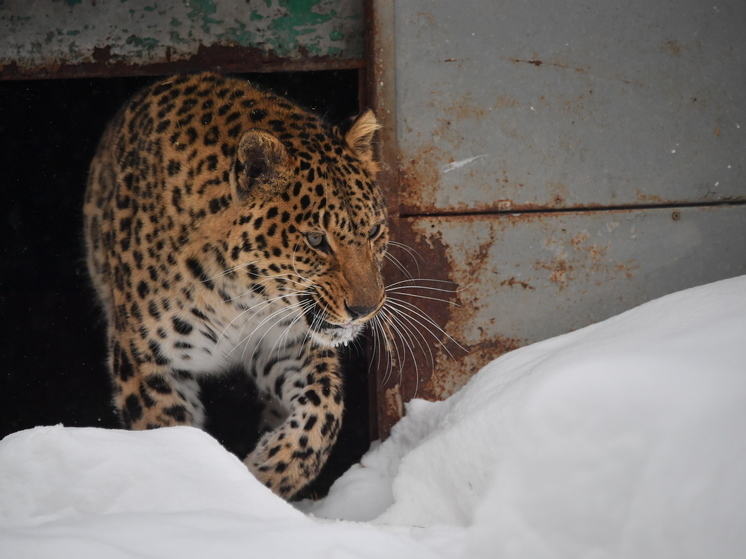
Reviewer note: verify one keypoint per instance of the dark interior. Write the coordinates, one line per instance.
(52, 342)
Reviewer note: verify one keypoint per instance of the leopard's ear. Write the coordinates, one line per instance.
(260, 164)
(360, 136)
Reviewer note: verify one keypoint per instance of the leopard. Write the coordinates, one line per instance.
(228, 227)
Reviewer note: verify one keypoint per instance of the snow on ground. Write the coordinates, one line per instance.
(623, 439)
(171, 493)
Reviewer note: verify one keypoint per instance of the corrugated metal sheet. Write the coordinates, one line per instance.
(44, 36)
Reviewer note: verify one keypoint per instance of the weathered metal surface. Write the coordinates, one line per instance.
(521, 278)
(382, 94)
(616, 128)
(531, 104)
(105, 37)
(385, 408)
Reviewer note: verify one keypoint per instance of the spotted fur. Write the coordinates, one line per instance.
(225, 227)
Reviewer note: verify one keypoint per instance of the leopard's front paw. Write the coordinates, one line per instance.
(290, 457)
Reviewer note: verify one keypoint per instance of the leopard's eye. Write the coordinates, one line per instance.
(317, 241)
(374, 231)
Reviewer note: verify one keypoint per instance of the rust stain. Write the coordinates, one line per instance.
(538, 63)
(452, 362)
(579, 238)
(505, 345)
(447, 381)
(558, 269)
(626, 268)
(648, 198)
(506, 102)
(672, 47)
(511, 282)
(419, 176)
(559, 273)
(559, 192)
(598, 253)
(444, 365)
(393, 409)
(464, 109)
(425, 260)
(481, 256)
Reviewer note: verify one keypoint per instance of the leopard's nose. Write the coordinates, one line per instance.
(360, 311)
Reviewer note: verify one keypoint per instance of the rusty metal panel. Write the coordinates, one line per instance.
(381, 87)
(521, 278)
(560, 162)
(44, 35)
(530, 104)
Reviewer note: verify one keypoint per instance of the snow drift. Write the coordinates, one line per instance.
(622, 439)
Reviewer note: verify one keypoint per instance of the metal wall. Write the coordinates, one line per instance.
(59, 38)
(559, 161)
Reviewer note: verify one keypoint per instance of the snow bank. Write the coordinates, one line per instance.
(623, 439)
(52, 473)
(619, 440)
(166, 493)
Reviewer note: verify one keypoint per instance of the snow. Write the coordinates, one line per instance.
(165, 493)
(622, 439)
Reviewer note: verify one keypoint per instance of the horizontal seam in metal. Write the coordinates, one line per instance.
(518, 211)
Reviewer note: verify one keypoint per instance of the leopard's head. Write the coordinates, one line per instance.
(318, 223)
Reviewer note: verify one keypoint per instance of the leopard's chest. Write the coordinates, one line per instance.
(254, 334)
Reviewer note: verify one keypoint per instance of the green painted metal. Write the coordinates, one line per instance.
(141, 32)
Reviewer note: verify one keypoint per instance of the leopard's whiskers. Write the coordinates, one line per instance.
(403, 330)
(399, 359)
(256, 307)
(282, 313)
(423, 320)
(305, 307)
(396, 262)
(397, 325)
(318, 319)
(413, 254)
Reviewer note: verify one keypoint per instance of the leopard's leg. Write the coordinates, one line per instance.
(150, 393)
(290, 456)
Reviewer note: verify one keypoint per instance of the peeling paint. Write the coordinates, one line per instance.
(139, 34)
(202, 11)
